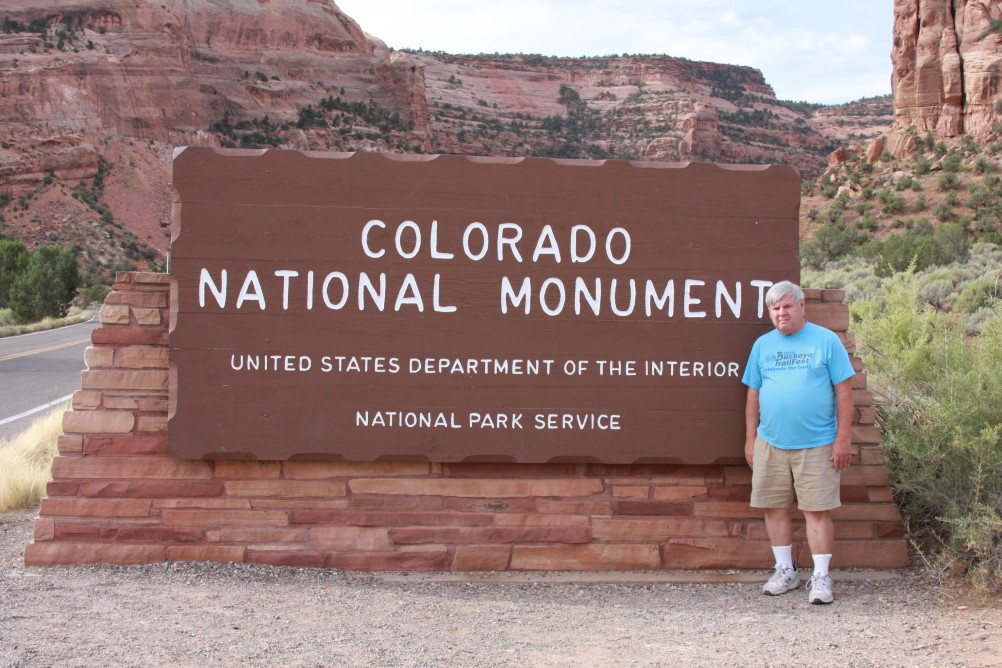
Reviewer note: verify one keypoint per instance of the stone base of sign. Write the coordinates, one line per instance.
(118, 496)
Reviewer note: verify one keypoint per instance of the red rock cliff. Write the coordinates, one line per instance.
(947, 58)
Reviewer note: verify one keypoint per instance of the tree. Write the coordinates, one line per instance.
(14, 258)
(47, 285)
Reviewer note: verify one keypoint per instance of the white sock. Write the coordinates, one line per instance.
(784, 555)
(821, 564)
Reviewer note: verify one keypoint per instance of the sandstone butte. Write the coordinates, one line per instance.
(947, 63)
(105, 88)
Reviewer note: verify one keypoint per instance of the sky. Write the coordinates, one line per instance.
(808, 50)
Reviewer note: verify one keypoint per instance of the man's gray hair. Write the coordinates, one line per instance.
(782, 289)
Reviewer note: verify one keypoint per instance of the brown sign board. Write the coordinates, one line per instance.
(367, 307)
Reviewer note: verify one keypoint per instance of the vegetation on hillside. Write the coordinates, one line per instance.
(915, 245)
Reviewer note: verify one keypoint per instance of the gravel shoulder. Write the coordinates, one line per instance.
(198, 614)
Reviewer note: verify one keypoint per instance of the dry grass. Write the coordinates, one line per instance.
(74, 317)
(26, 462)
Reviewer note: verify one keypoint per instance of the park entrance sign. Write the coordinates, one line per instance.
(367, 307)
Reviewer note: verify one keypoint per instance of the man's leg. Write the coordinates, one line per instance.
(821, 538)
(780, 531)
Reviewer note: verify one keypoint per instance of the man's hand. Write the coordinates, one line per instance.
(750, 451)
(841, 453)
(751, 424)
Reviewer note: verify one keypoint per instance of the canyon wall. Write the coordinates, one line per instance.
(947, 59)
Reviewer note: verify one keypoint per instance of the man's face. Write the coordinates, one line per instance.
(788, 315)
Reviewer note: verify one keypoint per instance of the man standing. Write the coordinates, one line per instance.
(798, 418)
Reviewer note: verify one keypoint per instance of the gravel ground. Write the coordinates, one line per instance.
(188, 614)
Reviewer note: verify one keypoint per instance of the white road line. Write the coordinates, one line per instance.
(38, 409)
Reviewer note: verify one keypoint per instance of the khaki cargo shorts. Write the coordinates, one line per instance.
(778, 473)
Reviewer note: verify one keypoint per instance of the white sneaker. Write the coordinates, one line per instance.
(783, 580)
(820, 590)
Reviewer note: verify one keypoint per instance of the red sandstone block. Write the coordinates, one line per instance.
(127, 336)
(585, 557)
(866, 434)
(153, 405)
(390, 503)
(150, 489)
(539, 520)
(737, 475)
(654, 530)
(140, 299)
(601, 508)
(631, 491)
(404, 518)
(875, 512)
(147, 316)
(350, 538)
(225, 518)
(70, 444)
(285, 488)
(126, 445)
(124, 380)
(45, 528)
(871, 456)
(509, 470)
(859, 382)
(481, 558)
(683, 493)
(388, 561)
(267, 535)
(880, 494)
(86, 401)
(114, 314)
(889, 529)
(75, 507)
(890, 553)
(831, 315)
(73, 531)
(99, 358)
(317, 470)
(849, 494)
(247, 469)
(203, 503)
(717, 552)
(726, 509)
(476, 487)
(869, 476)
(520, 505)
(151, 280)
(142, 357)
(468, 535)
(731, 493)
(832, 295)
(866, 415)
(152, 424)
(284, 558)
(221, 553)
(55, 553)
(120, 403)
(862, 398)
(340, 503)
(69, 468)
(843, 531)
(98, 422)
(62, 488)
(660, 508)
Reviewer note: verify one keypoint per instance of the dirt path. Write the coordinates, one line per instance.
(188, 614)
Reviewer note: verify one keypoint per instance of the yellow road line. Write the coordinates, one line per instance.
(44, 350)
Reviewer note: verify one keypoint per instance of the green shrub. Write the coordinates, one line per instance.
(47, 284)
(940, 405)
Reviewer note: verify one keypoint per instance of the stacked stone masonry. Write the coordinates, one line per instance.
(118, 496)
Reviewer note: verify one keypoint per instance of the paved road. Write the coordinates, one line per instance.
(36, 369)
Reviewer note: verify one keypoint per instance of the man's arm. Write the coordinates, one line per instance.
(751, 424)
(844, 410)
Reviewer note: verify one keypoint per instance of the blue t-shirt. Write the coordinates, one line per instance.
(795, 376)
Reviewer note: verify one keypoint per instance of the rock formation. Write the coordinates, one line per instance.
(947, 59)
(95, 93)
